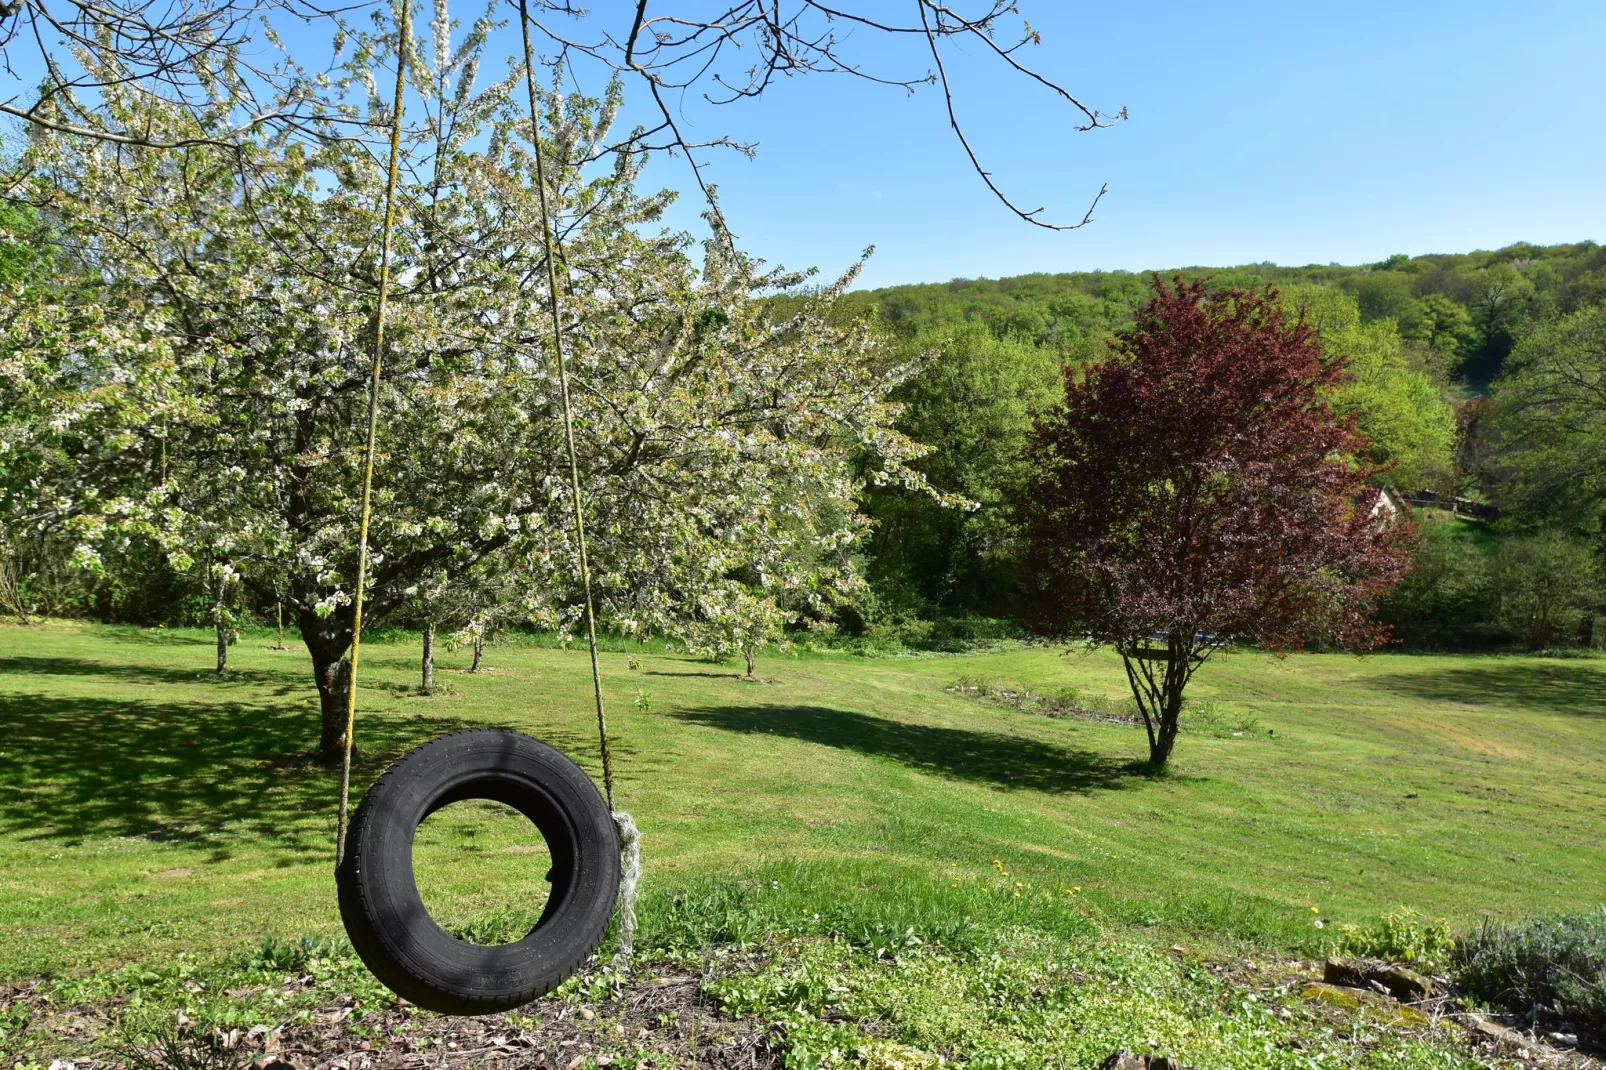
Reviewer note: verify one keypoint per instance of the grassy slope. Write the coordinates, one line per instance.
(146, 807)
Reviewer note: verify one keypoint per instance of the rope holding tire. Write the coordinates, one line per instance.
(384, 915)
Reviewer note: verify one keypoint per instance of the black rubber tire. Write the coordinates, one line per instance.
(386, 918)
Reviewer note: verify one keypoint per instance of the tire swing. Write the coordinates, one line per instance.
(380, 904)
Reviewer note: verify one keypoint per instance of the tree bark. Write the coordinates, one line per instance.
(328, 641)
(479, 651)
(221, 623)
(426, 686)
(1159, 699)
(747, 652)
(1165, 738)
(10, 593)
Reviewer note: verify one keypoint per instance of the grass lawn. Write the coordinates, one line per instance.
(148, 808)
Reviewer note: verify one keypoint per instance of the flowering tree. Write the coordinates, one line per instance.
(1196, 487)
(235, 286)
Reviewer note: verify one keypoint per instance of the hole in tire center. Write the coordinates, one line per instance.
(481, 869)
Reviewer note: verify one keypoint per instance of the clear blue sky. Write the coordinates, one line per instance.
(1296, 133)
(1292, 132)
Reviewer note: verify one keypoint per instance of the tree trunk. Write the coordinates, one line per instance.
(479, 652)
(747, 652)
(328, 641)
(220, 621)
(1159, 699)
(427, 685)
(278, 642)
(10, 593)
(1165, 738)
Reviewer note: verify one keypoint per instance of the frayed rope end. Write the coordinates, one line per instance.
(630, 873)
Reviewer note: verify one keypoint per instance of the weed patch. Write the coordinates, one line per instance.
(1404, 936)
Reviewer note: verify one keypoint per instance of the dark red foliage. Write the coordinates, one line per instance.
(1198, 481)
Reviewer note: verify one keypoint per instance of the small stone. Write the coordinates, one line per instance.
(587, 1013)
(1344, 973)
(1405, 985)
(1496, 1032)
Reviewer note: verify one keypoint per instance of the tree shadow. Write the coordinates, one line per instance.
(1576, 688)
(199, 773)
(995, 758)
(154, 674)
(160, 636)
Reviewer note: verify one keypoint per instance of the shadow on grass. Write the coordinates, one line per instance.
(229, 764)
(130, 633)
(1560, 687)
(213, 774)
(154, 674)
(962, 754)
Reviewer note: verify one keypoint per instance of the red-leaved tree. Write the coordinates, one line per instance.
(1197, 488)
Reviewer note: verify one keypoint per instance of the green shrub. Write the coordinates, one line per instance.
(1404, 936)
(1546, 583)
(1447, 601)
(1556, 962)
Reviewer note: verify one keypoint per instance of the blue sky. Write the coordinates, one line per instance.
(1291, 132)
(1296, 133)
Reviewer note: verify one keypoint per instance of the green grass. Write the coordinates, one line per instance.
(148, 808)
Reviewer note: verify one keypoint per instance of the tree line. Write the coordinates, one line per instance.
(1477, 377)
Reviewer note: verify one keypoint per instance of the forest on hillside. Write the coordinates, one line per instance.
(1480, 379)
(1478, 376)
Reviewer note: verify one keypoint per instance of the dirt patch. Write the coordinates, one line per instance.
(653, 1020)
(1058, 707)
(656, 1020)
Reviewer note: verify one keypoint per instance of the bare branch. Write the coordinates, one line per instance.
(677, 51)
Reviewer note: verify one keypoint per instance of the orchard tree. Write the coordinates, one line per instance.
(1197, 488)
(228, 78)
(212, 379)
